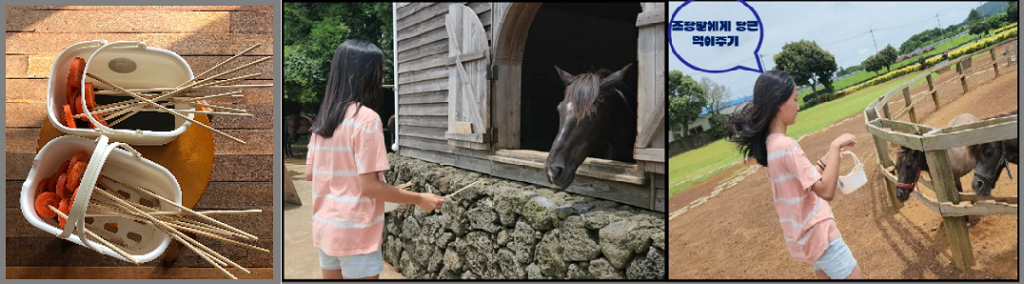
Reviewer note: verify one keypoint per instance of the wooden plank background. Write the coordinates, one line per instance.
(242, 175)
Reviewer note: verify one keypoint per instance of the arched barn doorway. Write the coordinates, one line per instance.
(576, 38)
(532, 40)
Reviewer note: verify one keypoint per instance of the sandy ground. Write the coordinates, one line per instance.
(736, 233)
(301, 260)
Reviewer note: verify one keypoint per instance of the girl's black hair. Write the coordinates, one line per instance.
(356, 72)
(749, 127)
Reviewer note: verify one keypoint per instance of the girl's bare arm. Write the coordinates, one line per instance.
(309, 172)
(375, 188)
(826, 186)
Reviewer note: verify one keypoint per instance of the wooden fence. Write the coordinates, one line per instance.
(950, 204)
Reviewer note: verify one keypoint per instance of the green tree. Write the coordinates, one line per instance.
(979, 28)
(1011, 12)
(872, 64)
(685, 100)
(888, 56)
(312, 33)
(973, 16)
(808, 63)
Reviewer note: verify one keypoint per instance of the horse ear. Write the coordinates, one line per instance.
(566, 77)
(615, 77)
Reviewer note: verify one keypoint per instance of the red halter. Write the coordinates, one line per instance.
(909, 186)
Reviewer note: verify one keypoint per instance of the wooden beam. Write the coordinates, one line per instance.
(973, 197)
(583, 170)
(905, 127)
(467, 57)
(910, 105)
(650, 154)
(469, 137)
(927, 202)
(945, 191)
(988, 207)
(991, 133)
(907, 140)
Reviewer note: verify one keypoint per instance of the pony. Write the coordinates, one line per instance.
(910, 163)
(595, 120)
(991, 159)
(294, 126)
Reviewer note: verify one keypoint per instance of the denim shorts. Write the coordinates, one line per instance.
(837, 261)
(354, 266)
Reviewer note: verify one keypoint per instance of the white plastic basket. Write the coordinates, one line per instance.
(153, 68)
(141, 241)
(855, 179)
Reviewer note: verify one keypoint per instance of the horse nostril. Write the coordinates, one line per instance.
(978, 184)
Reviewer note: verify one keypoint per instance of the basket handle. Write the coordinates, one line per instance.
(855, 159)
(103, 130)
(76, 218)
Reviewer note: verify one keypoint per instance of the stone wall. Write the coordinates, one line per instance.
(501, 229)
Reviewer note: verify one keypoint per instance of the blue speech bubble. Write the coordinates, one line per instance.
(759, 69)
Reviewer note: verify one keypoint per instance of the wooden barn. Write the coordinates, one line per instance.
(480, 92)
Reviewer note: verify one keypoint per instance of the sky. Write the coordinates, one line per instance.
(841, 28)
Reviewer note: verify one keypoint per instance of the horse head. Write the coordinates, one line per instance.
(909, 165)
(990, 161)
(585, 113)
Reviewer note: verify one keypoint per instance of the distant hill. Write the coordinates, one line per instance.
(990, 8)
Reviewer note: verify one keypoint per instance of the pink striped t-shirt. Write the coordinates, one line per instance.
(806, 219)
(345, 221)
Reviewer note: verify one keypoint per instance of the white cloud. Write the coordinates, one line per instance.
(863, 51)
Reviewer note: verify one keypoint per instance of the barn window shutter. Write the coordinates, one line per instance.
(468, 87)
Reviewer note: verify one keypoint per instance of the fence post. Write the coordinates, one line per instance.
(910, 105)
(960, 73)
(995, 65)
(931, 90)
(945, 191)
(881, 149)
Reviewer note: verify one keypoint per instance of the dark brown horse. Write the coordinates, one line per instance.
(910, 163)
(991, 159)
(595, 120)
(295, 125)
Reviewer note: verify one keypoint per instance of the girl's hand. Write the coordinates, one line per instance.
(428, 202)
(845, 140)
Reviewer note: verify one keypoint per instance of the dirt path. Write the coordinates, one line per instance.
(736, 234)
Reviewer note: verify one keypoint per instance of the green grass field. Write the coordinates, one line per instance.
(700, 164)
(862, 76)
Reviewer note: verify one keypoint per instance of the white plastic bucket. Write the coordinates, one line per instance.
(128, 166)
(153, 68)
(855, 179)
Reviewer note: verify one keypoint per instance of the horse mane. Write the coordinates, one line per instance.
(584, 91)
(908, 155)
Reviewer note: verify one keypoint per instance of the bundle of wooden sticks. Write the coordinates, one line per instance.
(146, 99)
(173, 223)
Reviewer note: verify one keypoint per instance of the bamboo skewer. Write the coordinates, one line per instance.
(463, 188)
(220, 64)
(98, 238)
(227, 240)
(171, 111)
(143, 91)
(208, 226)
(188, 99)
(176, 91)
(171, 213)
(204, 217)
(165, 227)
